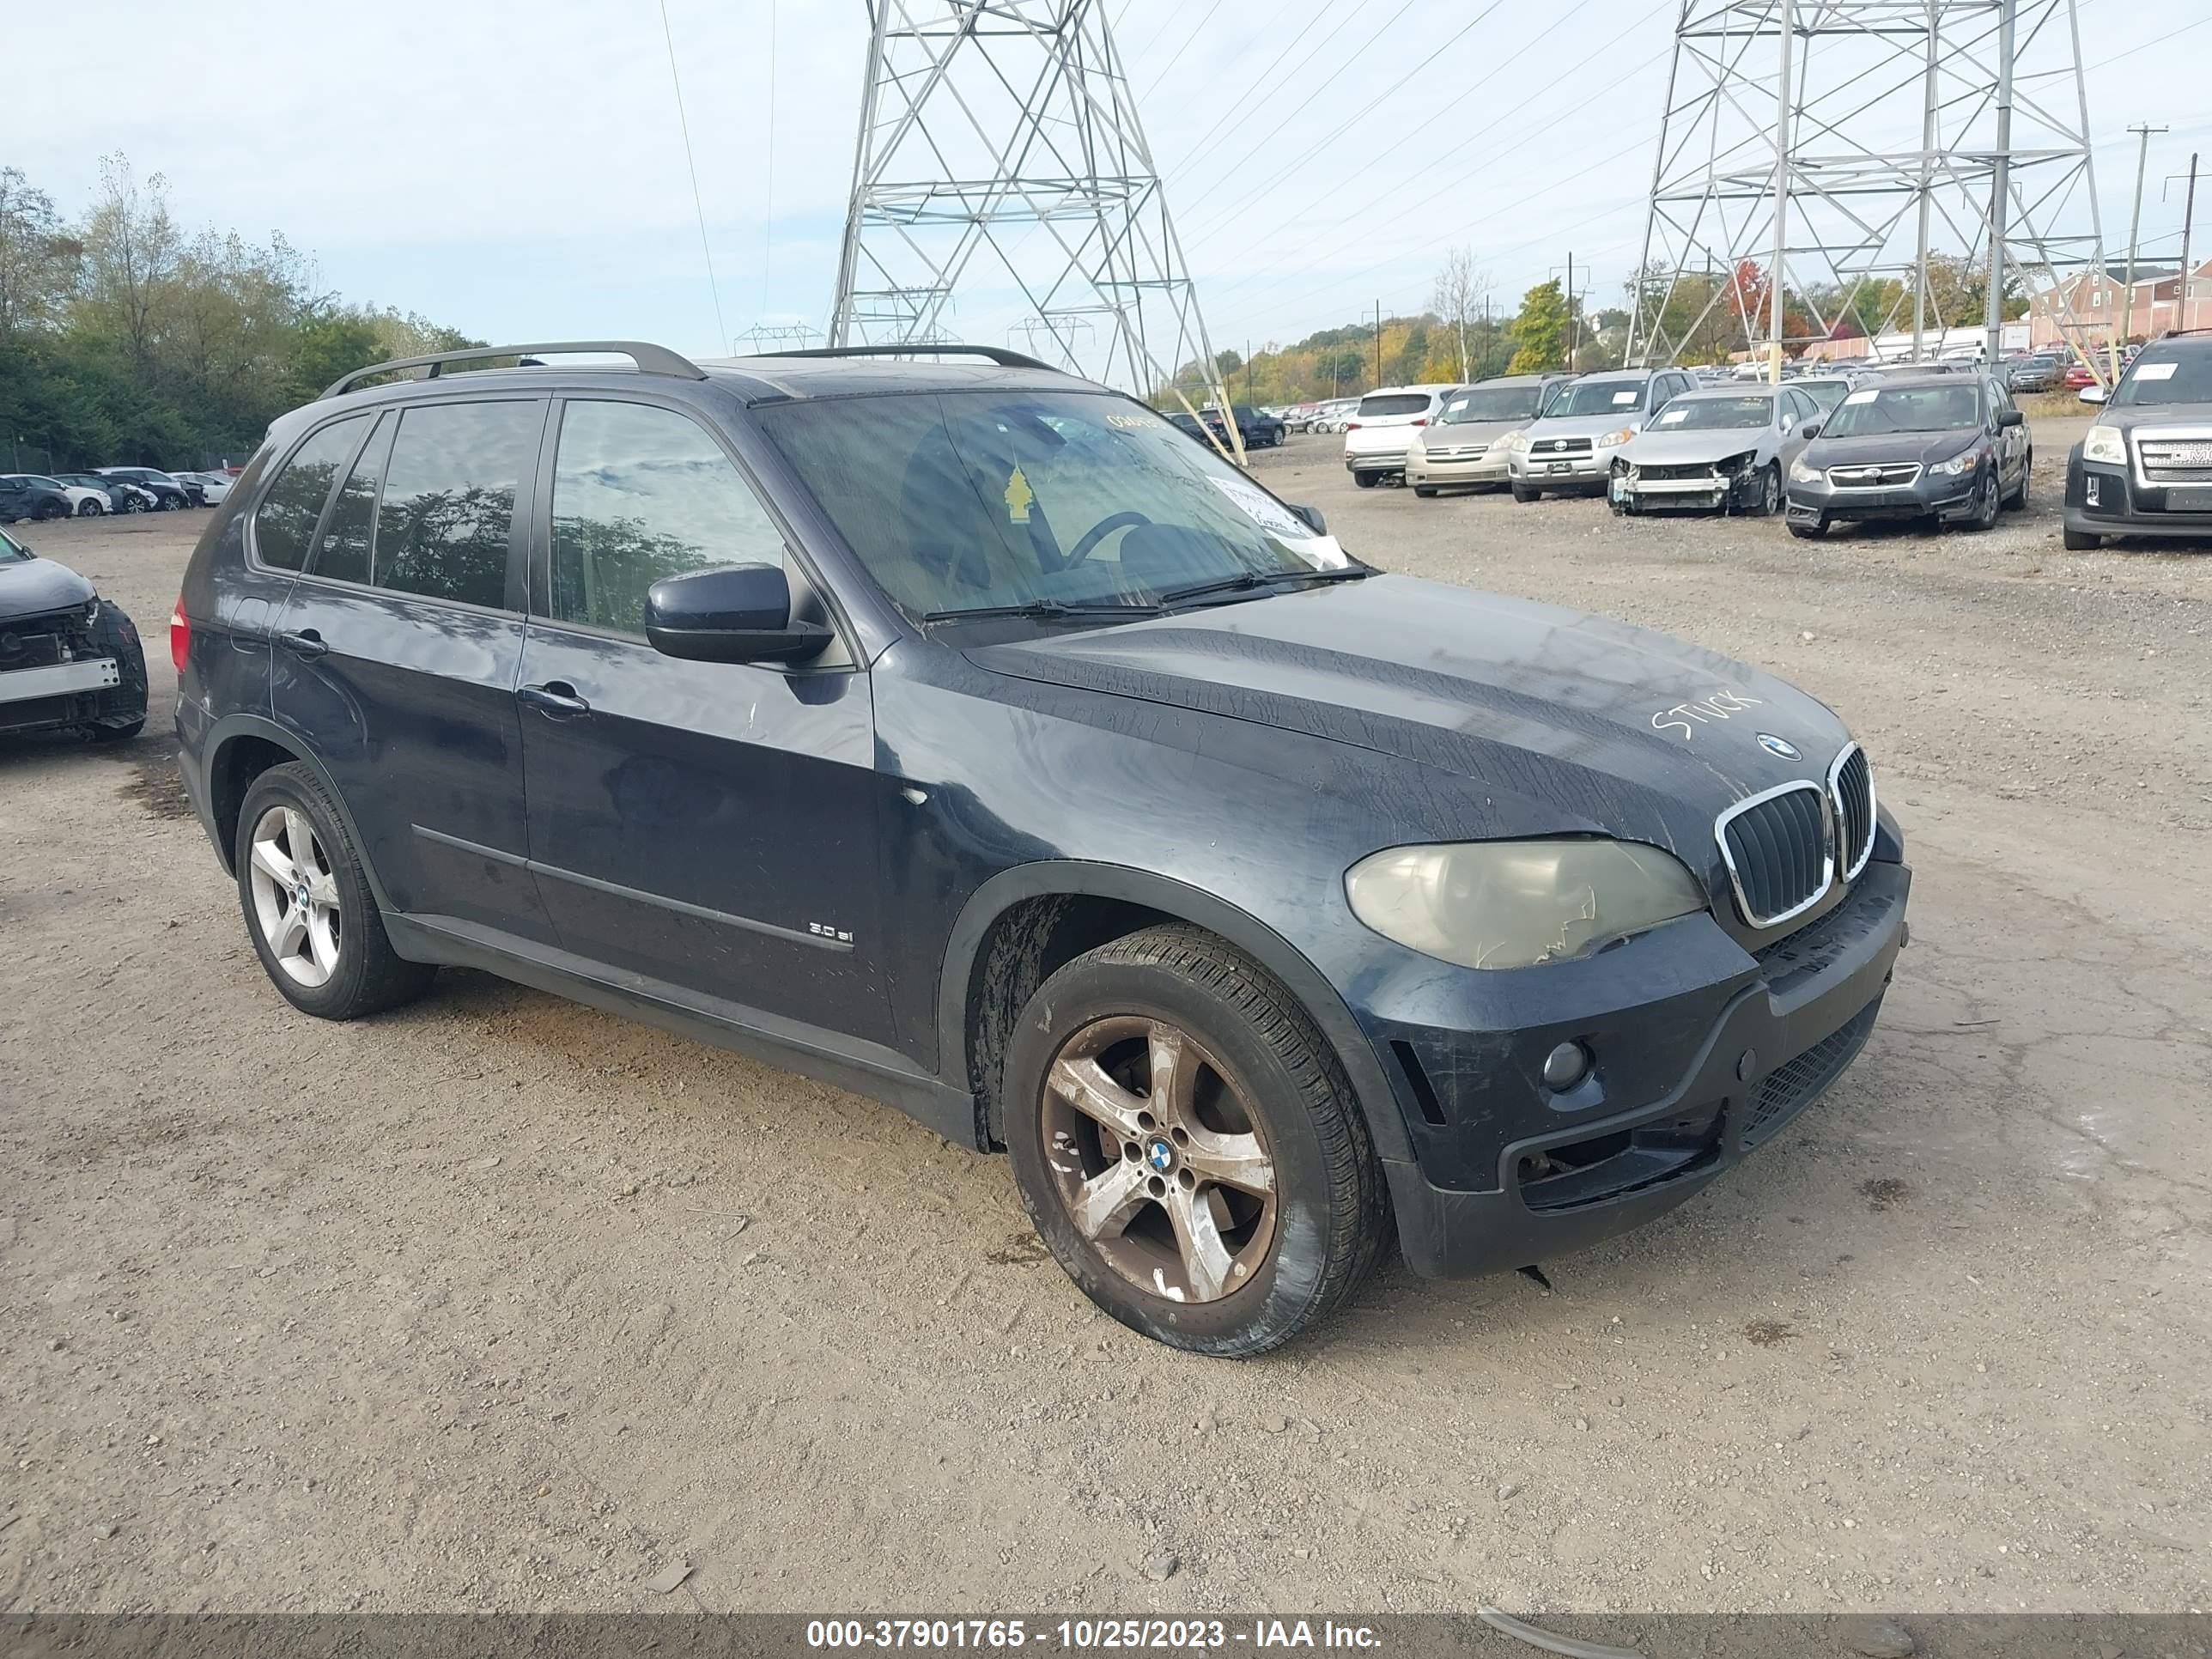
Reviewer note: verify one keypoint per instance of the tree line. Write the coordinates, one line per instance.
(128, 339)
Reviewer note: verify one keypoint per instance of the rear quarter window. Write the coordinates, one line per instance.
(289, 512)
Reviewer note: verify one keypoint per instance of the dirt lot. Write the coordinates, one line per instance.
(503, 1303)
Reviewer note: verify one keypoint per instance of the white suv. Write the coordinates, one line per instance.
(1381, 430)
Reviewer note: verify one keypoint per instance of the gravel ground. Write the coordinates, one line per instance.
(498, 1303)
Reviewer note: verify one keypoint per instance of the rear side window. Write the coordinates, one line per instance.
(286, 515)
(349, 536)
(641, 493)
(446, 516)
(1394, 403)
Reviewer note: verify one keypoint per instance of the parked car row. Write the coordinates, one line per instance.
(1256, 428)
(107, 490)
(1943, 442)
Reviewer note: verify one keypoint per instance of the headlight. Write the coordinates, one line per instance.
(2105, 444)
(1514, 903)
(1803, 471)
(1965, 461)
(1614, 440)
(1516, 443)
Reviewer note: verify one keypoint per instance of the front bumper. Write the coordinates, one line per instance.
(1932, 495)
(2105, 500)
(1557, 471)
(1713, 1071)
(1710, 491)
(1423, 468)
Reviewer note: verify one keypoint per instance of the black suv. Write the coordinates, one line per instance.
(2145, 469)
(1046, 777)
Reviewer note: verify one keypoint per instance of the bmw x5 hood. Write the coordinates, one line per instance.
(31, 588)
(1556, 722)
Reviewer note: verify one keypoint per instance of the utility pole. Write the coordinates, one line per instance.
(1999, 191)
(1781, 199)
(2134, 227)
(1378, 342)
(1574, 319)
(2188, 223)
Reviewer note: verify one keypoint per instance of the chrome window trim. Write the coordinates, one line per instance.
(1827, 850)
(1836, 804)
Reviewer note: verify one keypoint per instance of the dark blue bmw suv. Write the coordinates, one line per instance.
(960, 733)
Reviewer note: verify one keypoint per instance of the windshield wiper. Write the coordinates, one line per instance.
(1049, 608)
(1246, 580)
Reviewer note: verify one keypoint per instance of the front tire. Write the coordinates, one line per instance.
(1808, 532)
(1426, 492)
(1188, 1144)
(309, 906)
(1526, 495)
(2018, 500)
(1990, 501)
(1769, 500)
(90, 508)
(2080, 541)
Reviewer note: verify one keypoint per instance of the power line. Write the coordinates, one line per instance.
(1380, 31)
(1337, 132)
(2159, 40)
(1189, 35)
(722, 328)
(1259, 80)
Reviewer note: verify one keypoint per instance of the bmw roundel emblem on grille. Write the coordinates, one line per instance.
(1782, 746)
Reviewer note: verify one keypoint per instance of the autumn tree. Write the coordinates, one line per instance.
(1538, 333)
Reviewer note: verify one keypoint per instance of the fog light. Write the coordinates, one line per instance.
(2089, 486)
(1566, 1064)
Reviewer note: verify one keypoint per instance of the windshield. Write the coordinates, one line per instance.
(1906, 408)
(1715, 414)
(1597, 397)
(1492, 403)
(1826, 393)
(2167, 378)
(982, 500)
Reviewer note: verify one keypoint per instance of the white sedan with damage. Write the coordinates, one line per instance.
(1723, 450)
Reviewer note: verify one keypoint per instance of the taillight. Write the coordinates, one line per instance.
(1420, 420)
(1351, 426)
(180, 635)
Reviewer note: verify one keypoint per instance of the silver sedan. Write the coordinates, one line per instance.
(1726, 450)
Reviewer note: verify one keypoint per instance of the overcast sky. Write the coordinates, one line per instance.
(516, 168)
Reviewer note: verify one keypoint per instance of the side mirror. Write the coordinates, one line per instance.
(1809, 431)
(739, 613)
(2010, 417)
(2093, 394)
(1311, 515)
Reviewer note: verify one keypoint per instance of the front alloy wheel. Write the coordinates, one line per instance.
(295, 896)
(1157, 1158)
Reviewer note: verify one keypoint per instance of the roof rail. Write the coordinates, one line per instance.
(650, 360)
(997, 355)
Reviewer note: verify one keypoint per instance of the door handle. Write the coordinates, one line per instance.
(556, 699)
(305, 643)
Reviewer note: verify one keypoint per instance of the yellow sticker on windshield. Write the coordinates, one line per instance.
(1018, 496)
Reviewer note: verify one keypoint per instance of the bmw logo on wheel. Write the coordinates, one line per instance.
(1160, 1155)
(1782, 746)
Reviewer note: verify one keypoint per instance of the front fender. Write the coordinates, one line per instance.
(1057, 877)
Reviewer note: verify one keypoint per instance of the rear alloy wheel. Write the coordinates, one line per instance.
(1188, 1146)
(309, 905)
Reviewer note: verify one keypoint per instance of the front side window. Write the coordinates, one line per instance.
(446, 514)
(969, 502)
(289, 512)
(641, 493)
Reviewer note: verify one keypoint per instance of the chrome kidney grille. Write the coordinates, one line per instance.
(1786, 847)
(1851, 790)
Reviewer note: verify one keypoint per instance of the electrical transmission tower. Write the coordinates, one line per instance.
(1006, 128)
(1833, 147)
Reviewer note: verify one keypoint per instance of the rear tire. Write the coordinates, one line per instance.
(1139, 1220)
(1367, 480)
(307, 903)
